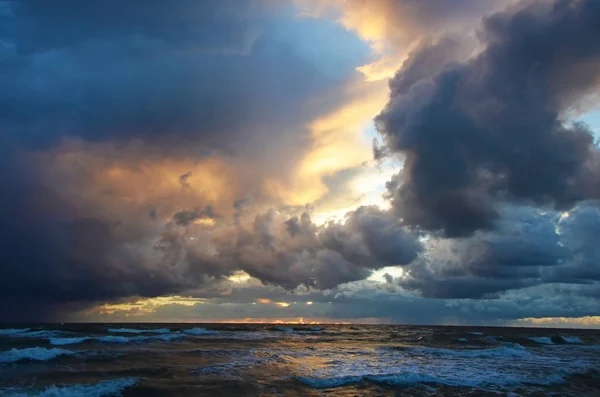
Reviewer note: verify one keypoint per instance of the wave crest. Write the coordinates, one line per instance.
(544, 340)
(506, 350)
(104, 388)
(200, 331)
(139, 331)
(32, 353)
(13, 331)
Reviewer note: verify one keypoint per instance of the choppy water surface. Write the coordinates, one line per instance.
(268, 360)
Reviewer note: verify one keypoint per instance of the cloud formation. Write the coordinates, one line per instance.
(291, 252)
(153, 150)
(122, 123)
(491, 128)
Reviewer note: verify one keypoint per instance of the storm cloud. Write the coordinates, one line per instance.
(104, 106)
(492, 128)
(150, 150)
(147, 70)
(291, 252)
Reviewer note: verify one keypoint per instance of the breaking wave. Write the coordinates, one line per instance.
(284, 329)
(13, 331)
(544, 340)
(104, 388)
(28, 333)
(68, 341)
(411, 378)
(32, 353)
(506, 350)
(139, 331)
(571, 339)
(406, 378)
(126, 339)
(200, 331)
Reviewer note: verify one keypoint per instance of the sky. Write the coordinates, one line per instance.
(356, 161)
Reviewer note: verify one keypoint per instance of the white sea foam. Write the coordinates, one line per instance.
(571, 339)
(463, 340)
(544, 340)
(68, 341)
(200, 331)
(139, 331)
(476, 333)
(13, 331)
(101, 389)
(32, 353)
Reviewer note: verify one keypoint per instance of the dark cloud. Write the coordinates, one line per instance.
(293, 252)
(488, 262)
(491, 128)
(183, 178)
(579, 230)
(528, 248)
(132, 83)
(185, 217)
(54, 257)
(170, 75)
(540, 301)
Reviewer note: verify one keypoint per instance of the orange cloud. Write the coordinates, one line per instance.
(266, 301)
(104, 178)
(560, 322)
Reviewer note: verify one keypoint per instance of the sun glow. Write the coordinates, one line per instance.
(143, 306)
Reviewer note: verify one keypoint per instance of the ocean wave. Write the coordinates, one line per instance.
(238, 365)
(463, 340)
(476, 333)
(571, 339)
(506, 350)
(139, 331)
(200, 331)
(589, 347)
(284, 329)
(127, 339)
(28, 333)
(13, 331)
(68, 341)
(411, 378)
(32, 353)
(544, 340)
(39, 334)
(101, 389)
(245, 335)
(405, 378)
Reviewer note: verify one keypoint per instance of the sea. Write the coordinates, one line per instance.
(296, 360)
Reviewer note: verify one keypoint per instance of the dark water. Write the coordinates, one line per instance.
(268, 360)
